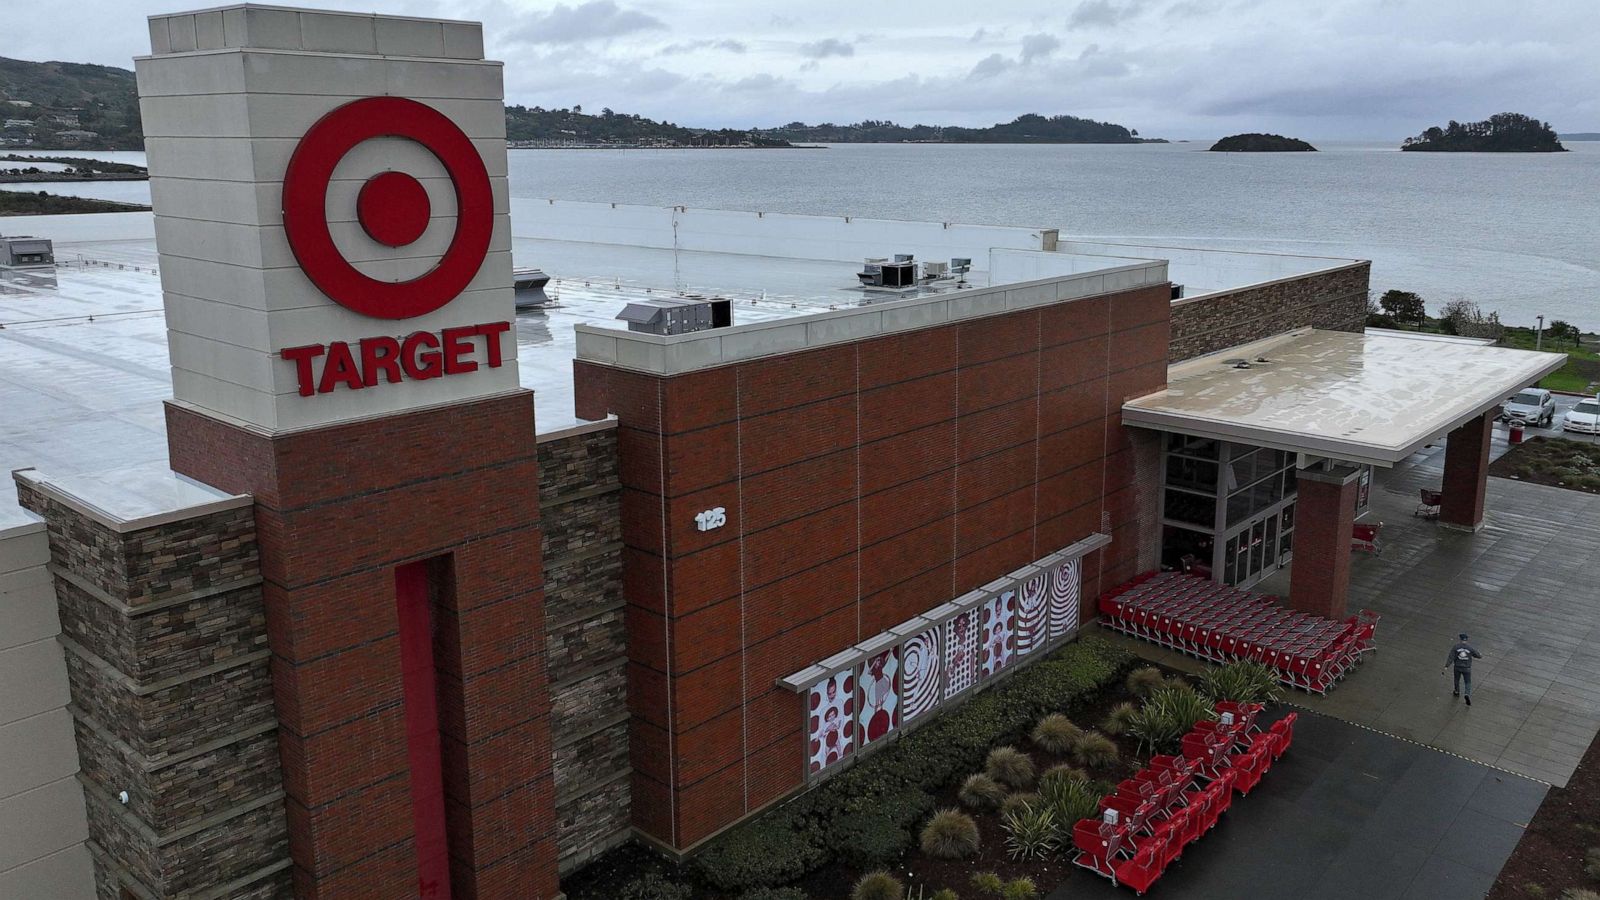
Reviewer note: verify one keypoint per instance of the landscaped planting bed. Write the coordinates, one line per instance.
(1572, 463)
(1559, 854)
(1014, 767)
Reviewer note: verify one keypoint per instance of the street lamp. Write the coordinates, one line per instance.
(1538, 340)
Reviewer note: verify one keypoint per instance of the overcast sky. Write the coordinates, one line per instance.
(1318, 69)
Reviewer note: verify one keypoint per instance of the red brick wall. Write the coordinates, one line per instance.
(864, 483)
(337, 509)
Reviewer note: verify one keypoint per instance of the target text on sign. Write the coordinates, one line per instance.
(322, 368)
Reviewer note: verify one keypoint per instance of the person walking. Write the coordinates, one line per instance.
(1461, 657)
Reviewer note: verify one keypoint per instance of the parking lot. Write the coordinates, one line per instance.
(1564, 402)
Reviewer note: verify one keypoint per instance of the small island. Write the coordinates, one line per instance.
(1502, 133)
(1261, 143)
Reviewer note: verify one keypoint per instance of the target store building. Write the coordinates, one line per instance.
(332, 574)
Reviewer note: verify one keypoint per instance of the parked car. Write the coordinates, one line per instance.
(1583, 418)
(1534, 406)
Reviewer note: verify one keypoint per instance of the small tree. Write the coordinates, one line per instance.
(1403, 306)
(1562, 330)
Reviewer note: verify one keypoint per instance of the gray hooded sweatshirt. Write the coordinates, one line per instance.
(1462, 655)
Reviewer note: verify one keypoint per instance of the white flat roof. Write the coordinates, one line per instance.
(1364, 398)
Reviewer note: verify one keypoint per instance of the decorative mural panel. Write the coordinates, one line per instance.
(880, 695)
(831, 725)
(1066, 585)
(961, 652)
(999, 624)
(1033, 621)
(921, 664)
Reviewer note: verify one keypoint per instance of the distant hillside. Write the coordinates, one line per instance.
(1582, 136)
(1501, 133)
(1261, 143)
(573, 126)
(58, 105)
(1031, 128)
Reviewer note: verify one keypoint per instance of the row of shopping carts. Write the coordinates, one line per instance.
(1220, 623)
(1145, 825)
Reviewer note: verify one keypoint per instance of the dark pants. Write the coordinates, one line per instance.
(1463, 675)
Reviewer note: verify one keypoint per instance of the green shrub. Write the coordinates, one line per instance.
(1117, 720)
(769, 851)
(1070, 799)
(1018, 801)
(944, 894)
(1010, 766)
(981, 792)
(1591, 863)
(780, 893)
(866, 839)
(1166, 716)
(1534, 889)
(988, 883)
(1055, 733)
(1241, 682)
(1580, 894)
(1030, 832)
(1020, 889)
(879, 885)
(950, 834)
(1143, 680)
(655, 887)
(1094, 750)
(1062, 772)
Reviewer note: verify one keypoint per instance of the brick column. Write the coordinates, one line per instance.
(1466, 474)
(166, 651)
(1319, 581)
(459, 488)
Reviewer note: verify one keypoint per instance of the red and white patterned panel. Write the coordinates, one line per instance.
(831, 719)
(1066, 585)
(1033, 621)
(961, 652)
(999, 624)
(879, 679)
(921, 664)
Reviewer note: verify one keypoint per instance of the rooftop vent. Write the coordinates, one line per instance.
(25, 250)
(527, 285)
(677, 315)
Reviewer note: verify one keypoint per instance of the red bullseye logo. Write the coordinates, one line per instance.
(392, 207)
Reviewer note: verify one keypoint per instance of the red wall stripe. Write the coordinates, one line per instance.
(419, 685)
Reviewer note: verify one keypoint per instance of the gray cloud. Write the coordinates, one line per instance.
(594, 20)
(990, 66)
(1039, 46)
(1103, 13)
(695, 46)
(827, 47)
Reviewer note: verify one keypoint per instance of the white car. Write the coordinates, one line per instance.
(1583, 418)
(1534, 406)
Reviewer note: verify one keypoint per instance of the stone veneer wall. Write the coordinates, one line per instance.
(167, 662)
(1333, 300)
(586, 644)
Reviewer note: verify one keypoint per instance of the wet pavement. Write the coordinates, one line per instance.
(1349, 812)
(1526, 588)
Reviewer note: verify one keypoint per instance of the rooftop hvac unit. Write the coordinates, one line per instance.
(683, 315)
(904, 257)
(900, 273)
(932, 270)
(871, 274)
(24, 250)
(527, 286)
(1177, 292)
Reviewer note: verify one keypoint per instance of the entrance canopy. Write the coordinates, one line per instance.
(1362, 398)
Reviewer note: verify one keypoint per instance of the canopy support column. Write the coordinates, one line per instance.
(1319, 581)
(1466, 473)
